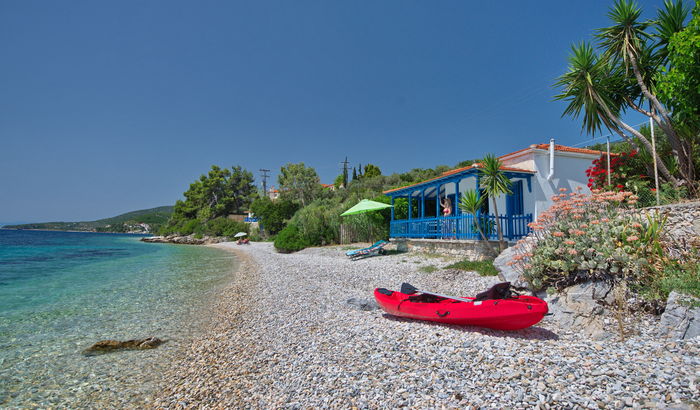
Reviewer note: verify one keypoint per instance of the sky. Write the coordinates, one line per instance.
(110, 107)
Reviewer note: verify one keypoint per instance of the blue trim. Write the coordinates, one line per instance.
(402, 192)
(461, 227)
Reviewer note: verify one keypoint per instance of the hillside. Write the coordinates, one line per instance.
(142, 221)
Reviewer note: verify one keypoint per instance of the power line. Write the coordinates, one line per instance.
(264, 177)
(604, 137)
(345, 172)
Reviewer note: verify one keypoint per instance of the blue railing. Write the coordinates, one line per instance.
(462, 227)
(249, 219)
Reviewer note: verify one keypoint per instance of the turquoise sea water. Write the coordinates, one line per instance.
(60, 292)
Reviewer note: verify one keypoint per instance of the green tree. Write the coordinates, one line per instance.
(339, 181)
(470, 203)
(372, 171)
(219, 193)
(679, 87)
(601, 87)
(300, 183)
(494, 182)
(354, 174)
(213, 196)
(274, 215)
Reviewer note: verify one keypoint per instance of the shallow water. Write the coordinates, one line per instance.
(60, 292)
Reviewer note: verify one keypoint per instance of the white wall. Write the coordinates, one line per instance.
(569, 173)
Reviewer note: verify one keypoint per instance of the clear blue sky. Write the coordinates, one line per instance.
(109, 107)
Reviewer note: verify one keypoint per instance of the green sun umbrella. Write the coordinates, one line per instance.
(365, 206)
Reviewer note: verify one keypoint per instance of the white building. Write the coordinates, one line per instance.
(538, 172)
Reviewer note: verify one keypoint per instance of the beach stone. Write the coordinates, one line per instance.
(581, 308)
(506, 272)
(363, 304)
(104, 346)
(680, 320)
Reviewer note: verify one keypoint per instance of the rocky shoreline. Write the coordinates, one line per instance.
(285, 336)
(185, 240)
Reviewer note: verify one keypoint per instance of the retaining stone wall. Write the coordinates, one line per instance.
(683, 220)
(472, 250)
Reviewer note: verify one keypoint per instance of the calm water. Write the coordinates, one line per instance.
(60, 292)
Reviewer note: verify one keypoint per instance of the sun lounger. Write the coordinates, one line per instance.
(374, 250)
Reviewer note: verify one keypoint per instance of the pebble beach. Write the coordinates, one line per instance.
(283, 335)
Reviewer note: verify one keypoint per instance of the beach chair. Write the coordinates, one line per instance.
(376, 249)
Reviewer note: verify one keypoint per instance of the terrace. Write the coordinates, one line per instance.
(424, 218)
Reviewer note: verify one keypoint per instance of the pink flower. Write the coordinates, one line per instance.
(573, 252)
(570, 242)
(632, 238)
(636, 225)
(562, 189)
(558, 234)
(584, 226)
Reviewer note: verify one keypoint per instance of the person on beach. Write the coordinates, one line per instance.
(446, 211)
(446, 206)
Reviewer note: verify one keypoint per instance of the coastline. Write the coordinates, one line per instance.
(283, 335)
(72, 290)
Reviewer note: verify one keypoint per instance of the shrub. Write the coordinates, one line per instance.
(589, 237)
(290, 240)
(273, 214)
(225, 227)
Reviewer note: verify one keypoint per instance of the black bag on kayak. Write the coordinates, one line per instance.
(497, 291)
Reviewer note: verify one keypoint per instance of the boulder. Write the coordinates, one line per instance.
(185, 240)
(506, 272)
(680, 320)
(106, 346)
(363, 304)
(582, 308)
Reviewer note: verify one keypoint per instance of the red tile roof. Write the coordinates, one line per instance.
(456, 171)
(561, 148)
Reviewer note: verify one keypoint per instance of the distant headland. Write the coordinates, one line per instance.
(142, 221)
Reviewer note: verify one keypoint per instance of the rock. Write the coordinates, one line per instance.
(185, 240)
(581, 308)
(105, 346)
(506, 272)
(680, 320)
(363, 304)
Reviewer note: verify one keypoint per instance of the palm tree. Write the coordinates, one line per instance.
(602, 87)
(470, 203)
(595, 89)
(628, 44)
(495, 183)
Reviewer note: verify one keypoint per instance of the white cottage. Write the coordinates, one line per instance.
(538, 172)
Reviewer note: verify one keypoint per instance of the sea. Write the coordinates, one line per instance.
(60, 292)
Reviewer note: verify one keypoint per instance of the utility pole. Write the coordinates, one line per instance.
(608, 147)
(345, 172)
(653, 148)
(264, 177)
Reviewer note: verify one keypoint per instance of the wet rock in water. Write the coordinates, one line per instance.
(106, 346)
(680, 319)
(363, 304)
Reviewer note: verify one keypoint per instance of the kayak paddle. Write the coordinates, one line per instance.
(409, 289)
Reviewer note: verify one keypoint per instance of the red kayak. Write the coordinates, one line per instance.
(513, 313)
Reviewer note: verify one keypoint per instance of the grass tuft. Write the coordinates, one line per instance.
(484, 268)
(427, 269)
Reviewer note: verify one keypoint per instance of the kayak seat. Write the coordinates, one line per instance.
(385, 291)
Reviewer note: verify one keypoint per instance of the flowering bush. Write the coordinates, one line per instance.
(622, 169)
(587, 237)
